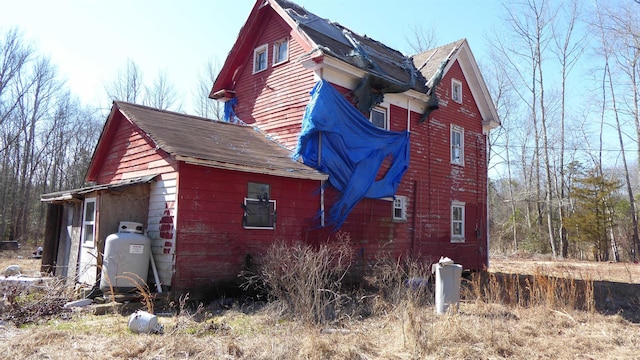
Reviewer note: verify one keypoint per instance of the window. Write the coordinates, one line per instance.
(89, 222)
(260, 56)
(456, 91)
(259, 209)
(400, 208)
(457, 221)
(280, 51)
(457, 145)
(379, 117)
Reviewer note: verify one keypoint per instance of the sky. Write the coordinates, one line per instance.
(90, 41)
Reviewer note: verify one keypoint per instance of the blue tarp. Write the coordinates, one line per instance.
(351, 150)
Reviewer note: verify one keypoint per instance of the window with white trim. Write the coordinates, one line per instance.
(89, 222)
(280, 51)
(457, 221)
(259, 209)
(260, 56)
(456, 91)
(378, 117)
(400, 208)
(457, 145)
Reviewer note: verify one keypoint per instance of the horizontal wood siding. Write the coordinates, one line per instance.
(132, 155)
(275, 99)
(161, 225)
(430, 185)
(211, 243)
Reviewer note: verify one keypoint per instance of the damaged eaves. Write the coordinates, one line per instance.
(388, 70)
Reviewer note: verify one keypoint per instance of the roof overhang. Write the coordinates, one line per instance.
(78, 194)
(478, 87)
(310, 174)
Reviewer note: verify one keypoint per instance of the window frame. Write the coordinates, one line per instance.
(455, 146)
(458, 238)
(83, 240)
(256, 52)
(259, 197)
(380, 110)
(399, 203)
(276, 51)
(456, 95)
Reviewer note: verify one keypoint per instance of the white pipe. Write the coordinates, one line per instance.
(408, 115)
(155, 272)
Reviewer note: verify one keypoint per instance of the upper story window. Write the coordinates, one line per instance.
(260, 56)
(400, 208)
(456, 91)
(457, 221)
(89, 222)
(259, 209)
(379, 117)
(457, 145)
(280, 51)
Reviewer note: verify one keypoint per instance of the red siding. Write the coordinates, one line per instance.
(131, 155)
(211, 244)
(276, 97)
(275, 100)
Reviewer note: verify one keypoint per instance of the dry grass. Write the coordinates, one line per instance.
(491, 323)
(476, 331)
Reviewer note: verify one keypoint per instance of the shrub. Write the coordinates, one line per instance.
(305, 279)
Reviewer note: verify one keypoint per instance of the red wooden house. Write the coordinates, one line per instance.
(213, 196)
(439, 97)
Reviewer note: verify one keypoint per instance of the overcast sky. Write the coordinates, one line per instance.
(90, 41)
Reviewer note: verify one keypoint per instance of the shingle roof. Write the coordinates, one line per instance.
(216, 143)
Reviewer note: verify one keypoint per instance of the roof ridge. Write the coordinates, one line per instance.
(170, 112)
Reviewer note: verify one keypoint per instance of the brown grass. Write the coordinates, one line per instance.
(491, 323)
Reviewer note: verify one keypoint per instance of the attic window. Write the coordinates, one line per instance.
(378, 117)
(280, 51)
(456, 91)
(260, 56)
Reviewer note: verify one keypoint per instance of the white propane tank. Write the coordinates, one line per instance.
(126, 259)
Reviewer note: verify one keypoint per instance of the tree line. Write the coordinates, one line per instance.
(47, 136)
(563, 165)
(564, 77)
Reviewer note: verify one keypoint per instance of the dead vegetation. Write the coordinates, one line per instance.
(501, 316)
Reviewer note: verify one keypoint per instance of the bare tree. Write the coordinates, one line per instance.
(162, 94)
(421, 39)
(568, 52)
(204, 106)
(128, 85)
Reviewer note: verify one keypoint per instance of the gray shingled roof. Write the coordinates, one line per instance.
(216, 143)
(368, 54)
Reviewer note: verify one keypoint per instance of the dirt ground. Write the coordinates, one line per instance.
(582, 270)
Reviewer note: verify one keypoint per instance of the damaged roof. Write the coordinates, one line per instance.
(67, 195)
(360, 51)
(215, 143)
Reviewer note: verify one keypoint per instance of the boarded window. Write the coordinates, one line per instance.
(259, 208)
